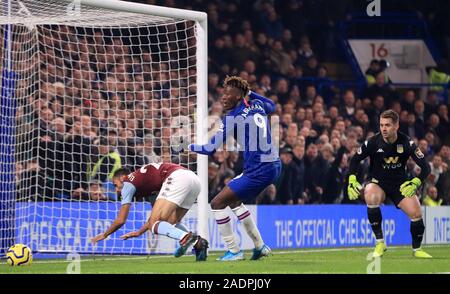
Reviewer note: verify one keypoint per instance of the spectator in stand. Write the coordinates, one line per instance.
(108, 162)
(271, 24)
(265, 84)
(434, 125)
(445, 154)
(419, 111)
(347, 110)
(315, 172)
(412, 127)
(268, 196)
(372, 71)
(288, 42)
(280, 61)
(375, 112)
(240, 52)
(431, 103)
(95, 192)
(285, 184)
(444, 122)
(425, 148)
(382, 88)
(309, 96)
(213, 180)
(311, 69)
(407, 102)
(304, 51)
(282, 90)
(437, 169)
(335, 181)
(431, 197)
(443, 183)
(299, 167)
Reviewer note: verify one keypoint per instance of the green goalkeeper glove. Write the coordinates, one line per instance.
(409, 188)
(354, 188)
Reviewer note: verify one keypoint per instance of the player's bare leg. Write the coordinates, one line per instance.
(176, 218)
(374, 196)
(177, 215)
(225, 198)
(164, 210)
(244, 216)
(411, 206)
(164, 215)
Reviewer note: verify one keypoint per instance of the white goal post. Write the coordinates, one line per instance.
(89, 86)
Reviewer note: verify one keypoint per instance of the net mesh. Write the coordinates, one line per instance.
(90, 90)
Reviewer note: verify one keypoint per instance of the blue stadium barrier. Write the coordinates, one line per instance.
(68, 227)
(312, 226)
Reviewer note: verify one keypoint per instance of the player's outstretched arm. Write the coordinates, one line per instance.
(215, 142)
(134, 234)
(207, 149)
(117, 224)
(137, 233)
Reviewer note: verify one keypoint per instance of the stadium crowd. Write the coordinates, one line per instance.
(106, 105)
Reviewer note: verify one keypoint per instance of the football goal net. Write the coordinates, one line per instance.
(89, 87)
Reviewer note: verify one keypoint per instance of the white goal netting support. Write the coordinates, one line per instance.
(89, 87)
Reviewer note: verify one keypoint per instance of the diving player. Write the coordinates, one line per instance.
(389, 150)
(247, 122)
(178, 189)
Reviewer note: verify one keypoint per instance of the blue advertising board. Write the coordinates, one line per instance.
(328, 226)
(69, 227)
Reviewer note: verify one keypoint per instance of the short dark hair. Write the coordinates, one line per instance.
(104, 141)
(121, 172)
(238, 83)
(390, 114)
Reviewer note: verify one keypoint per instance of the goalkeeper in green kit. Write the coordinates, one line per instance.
(389, 150)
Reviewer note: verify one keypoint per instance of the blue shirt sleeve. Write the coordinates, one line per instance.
(268, 105)
(214, 143)
(127, 192)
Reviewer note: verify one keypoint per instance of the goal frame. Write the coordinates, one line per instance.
(201, 23)
(7, 126)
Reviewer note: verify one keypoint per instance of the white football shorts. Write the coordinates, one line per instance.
(181, 187)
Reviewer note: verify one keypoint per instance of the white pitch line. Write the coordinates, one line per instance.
(166, 256)
(215, 254)
(104, 259)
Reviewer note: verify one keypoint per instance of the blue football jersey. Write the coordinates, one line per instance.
(248, 124)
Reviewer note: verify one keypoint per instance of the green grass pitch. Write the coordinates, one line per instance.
(335, 260)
